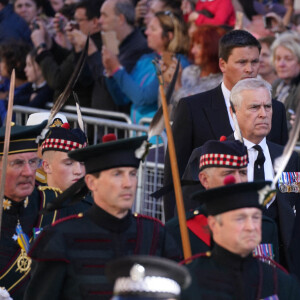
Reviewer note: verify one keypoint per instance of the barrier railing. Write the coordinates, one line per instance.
(95, 112)
(100, 126)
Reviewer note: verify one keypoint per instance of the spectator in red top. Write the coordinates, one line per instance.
(216, 12)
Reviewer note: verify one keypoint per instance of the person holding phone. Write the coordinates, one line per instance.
(165, 33)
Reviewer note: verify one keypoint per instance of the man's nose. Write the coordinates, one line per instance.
(77, 168)
(27, 170)
(127, 181)
(249, 224)
(238, 178)
(262, 111)
(249, 68)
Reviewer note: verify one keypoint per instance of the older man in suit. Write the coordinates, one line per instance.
(252, 101)
(206, 116)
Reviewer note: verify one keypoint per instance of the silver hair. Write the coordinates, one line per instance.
(247, 84)
(126, 8)
(219, 219)
(288, 40)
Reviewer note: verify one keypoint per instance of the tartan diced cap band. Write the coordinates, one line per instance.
(222, 154)
(223, 160)
(226, 154)
(63, 139)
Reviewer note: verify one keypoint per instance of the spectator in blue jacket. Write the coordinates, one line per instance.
(165, 33)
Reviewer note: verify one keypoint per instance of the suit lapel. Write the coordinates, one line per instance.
(274, 151)
(216, 113)
(284, 209)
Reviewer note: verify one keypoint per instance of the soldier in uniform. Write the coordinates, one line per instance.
(71, 254)
(17, 208)
(230, 271)
(147, 277)
(212, 164)
(35, 119)
(61, 170)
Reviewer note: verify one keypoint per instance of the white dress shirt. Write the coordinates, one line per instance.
(226, 94)
(252, 156)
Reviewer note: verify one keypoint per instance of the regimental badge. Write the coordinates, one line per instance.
(57, 122)
(23, 262)
(6, 204)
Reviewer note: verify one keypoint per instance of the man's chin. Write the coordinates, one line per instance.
(26, 190)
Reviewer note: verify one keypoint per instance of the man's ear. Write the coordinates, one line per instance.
(211, 222)
(95, 23)
(90, 181)
(170, 36)
(47, 167)
(203, 178)
(222, 65)
(122, 19)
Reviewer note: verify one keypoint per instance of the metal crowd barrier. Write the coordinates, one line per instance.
(150, 174)
(95, 112)
(99, 126)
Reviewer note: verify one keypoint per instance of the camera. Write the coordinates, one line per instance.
(268, 22)
(35, 25)
(74, 25)
(61, 24)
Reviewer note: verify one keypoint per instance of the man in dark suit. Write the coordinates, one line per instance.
(206, 116)
(252, 101)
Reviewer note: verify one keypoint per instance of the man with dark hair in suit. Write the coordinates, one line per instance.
(252, 101)
(206, 116)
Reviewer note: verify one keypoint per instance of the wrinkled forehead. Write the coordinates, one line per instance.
(22, 156)
(258, 95)
(242, 212)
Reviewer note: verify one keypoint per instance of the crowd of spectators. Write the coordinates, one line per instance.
(125, 36)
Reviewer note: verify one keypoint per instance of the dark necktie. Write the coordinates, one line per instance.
(259, 173)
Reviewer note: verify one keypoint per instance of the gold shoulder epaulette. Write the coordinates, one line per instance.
(46, 187)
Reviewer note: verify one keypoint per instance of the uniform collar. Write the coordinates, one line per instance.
(229, 259)
(108, 221)
(12, 206)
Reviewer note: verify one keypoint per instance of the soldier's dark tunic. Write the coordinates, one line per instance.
(225, 275)
(47, 194)
(72, 254)
(200, 237)
(27, 213)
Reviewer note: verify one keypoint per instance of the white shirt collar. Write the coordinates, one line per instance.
(226, 94)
